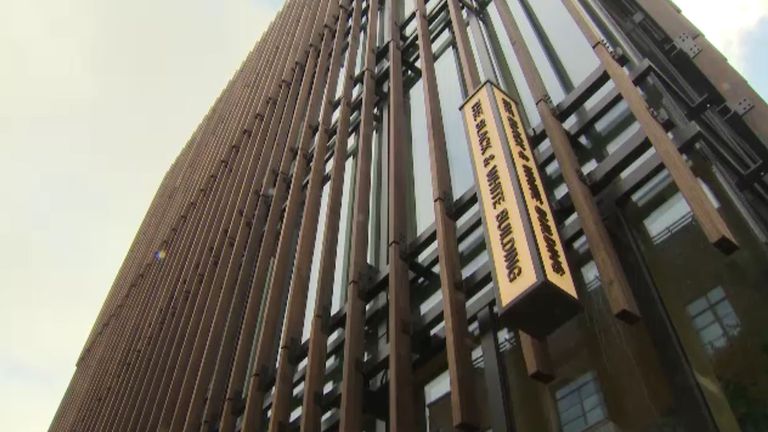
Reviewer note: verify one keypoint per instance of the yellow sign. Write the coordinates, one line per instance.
(535, 289)
(509, 244)
(539, 212)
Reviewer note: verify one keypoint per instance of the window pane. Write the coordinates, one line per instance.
(420, 168)
(451, 99)
(312, 288)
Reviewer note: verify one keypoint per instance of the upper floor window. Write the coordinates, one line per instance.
(580, 403)
(673, 213)
(591, 276)
(714, 319)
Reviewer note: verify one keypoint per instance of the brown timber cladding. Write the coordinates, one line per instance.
(268, 209)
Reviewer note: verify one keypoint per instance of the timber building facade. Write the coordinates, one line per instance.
(433, 215)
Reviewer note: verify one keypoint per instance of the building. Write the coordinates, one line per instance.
(359, 235)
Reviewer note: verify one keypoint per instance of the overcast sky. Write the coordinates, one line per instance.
(96, 99)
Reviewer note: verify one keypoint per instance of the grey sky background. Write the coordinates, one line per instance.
(97, 97)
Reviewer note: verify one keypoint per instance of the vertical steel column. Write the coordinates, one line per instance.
(352, 374)
(710, 221)
(463, 409)
(399, 324)
(612, 277)
(313, 382)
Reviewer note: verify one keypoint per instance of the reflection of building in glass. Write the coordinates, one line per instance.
(714, 318)
(325, 264)
(580, 404)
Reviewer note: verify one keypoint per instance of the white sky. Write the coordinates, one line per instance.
(96, 99)
(726, 23)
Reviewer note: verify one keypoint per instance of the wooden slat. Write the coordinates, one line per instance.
(463, 409)
(466, 58)
(316, 355)
(272, 316)
(352, 376)
(614, 281)
(400, 373)
(177, 393)
(167, 369)
(122, 362)
(538, 363)
(243, 123)
(301, 273)
(274, 190)
(710, 221)
(255, 210)
(196, 382)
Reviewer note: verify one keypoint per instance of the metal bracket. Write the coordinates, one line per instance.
(265, 376)
(469, 6)
(405, 326)
(547, 99)
(687, 44)
(742, 106)
(609, 48)
(369, 274)
(325, 319)
(638, 17)
(294, 351)
(584, 178)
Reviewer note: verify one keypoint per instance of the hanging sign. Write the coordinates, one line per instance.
(534, 286)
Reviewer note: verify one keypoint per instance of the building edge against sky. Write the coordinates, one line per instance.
(442, 214)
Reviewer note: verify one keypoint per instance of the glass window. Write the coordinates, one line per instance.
(531, 36)
(590, 275)
(722, 330)
(580, 403)
(312, 288)
(345, 229)
(377, 201)
(671, 215)
(570, 50)
(668, 218)
(513, 66)
(451, 98)
(714, 318)
(421, 182)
